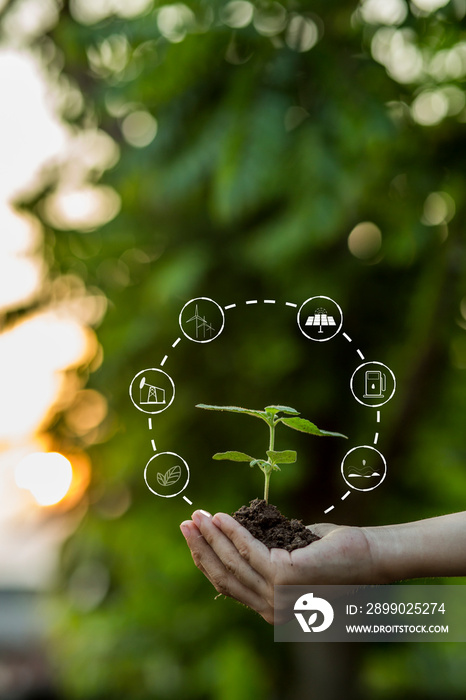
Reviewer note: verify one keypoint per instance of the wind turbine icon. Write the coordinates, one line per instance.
(201, 324)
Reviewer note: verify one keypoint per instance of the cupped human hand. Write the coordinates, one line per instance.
(241, 567)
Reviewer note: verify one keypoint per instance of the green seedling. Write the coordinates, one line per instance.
(272, 415)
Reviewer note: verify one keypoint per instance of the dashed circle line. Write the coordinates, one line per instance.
(252, 302)
(376, 435)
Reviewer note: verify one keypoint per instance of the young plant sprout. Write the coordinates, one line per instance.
(272, 415)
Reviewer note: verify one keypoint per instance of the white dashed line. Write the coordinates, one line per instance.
(291, 304)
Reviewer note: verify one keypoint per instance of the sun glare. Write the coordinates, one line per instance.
(36, 356)
(25, 149)
(47, 475)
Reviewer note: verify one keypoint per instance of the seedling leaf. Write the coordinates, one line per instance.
(233, 456)
(170, 477)
(272, 410)
(305, 426)
(282, 457)
(233, 409)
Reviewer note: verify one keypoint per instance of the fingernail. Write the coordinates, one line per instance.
(199, 514)
(217, 519)
(184, 527)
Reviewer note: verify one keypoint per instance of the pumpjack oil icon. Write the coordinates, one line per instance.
(152, 390)
(148, 393)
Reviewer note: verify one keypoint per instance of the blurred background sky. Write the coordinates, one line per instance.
(152, 152)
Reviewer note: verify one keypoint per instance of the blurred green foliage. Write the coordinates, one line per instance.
(267, 155)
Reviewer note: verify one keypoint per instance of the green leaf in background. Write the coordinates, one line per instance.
(305, 426)
(233, 456)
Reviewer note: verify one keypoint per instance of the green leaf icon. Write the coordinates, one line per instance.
(170, 477)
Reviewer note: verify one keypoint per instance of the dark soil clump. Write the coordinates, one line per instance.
(266, 523)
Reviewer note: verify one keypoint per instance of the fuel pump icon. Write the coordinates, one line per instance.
(375, 383)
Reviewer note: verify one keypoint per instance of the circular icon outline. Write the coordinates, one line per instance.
(161, 454)
(373, 405)
(206, 340)
(358, 447)
(320, 340)
(143, 371)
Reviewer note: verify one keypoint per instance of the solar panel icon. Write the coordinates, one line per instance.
(320, 319)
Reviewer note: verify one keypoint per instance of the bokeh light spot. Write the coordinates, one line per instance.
(237, 14)
(139, 128)
(429, 108)
(47, 475)
(365, 240)
(270, 19)
(395, 49)
(92, 11)
(430, 5)
(87, 412)
(384, 11)
(302, 33)
(439, 208)
(83, 208)
(174, 21)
